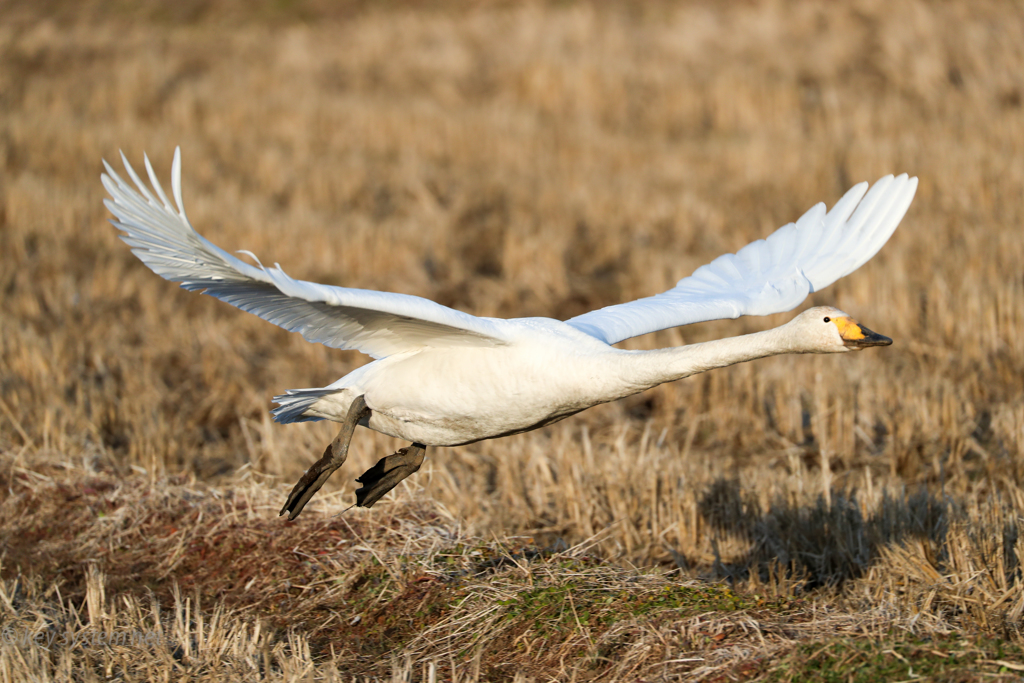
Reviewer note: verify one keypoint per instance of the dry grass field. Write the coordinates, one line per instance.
(850, 518)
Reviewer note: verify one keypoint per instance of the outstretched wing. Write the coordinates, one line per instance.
(376, 323)
(771, 275)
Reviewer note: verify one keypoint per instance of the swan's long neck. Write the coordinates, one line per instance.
(646, 369)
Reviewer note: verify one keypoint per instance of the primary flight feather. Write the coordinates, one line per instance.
(443, 377)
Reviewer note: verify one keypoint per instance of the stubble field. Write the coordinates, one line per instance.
(797, 518)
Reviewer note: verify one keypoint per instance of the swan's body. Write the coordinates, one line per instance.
(547, 372)
(443, 377)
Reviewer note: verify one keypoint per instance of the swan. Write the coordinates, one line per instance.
(442, 377)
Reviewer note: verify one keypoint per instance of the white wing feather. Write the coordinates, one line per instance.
(772, 275)
(376, 323)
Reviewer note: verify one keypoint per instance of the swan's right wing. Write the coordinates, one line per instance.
(771, 275)
(376, 323)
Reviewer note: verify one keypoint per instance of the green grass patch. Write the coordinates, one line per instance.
(849, 660)
(554, 606)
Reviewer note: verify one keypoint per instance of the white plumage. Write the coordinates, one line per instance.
(443, 377)
(771, 275)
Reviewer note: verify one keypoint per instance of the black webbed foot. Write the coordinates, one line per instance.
(387, 473)
(315, 477)
(333, 458)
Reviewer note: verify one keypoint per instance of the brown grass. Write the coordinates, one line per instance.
(515, 160)
(219, 588)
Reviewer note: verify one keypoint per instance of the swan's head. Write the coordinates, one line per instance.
(824, 329)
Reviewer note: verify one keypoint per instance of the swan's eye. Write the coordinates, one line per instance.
(828, 319)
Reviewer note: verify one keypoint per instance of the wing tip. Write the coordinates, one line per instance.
(176, 183)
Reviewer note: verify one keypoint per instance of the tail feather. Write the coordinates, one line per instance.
(293, 404)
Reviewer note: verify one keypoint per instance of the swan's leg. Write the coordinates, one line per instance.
(387, 473)
(333, 458)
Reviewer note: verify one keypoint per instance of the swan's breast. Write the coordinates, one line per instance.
(458, 395)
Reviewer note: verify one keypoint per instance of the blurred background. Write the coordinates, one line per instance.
(510, 159)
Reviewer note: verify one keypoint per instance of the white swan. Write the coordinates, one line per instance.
(443, 377)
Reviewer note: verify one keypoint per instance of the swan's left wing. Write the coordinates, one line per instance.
(376, 323)
(771, 275)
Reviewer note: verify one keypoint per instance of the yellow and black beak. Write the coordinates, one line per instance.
(856, 336)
